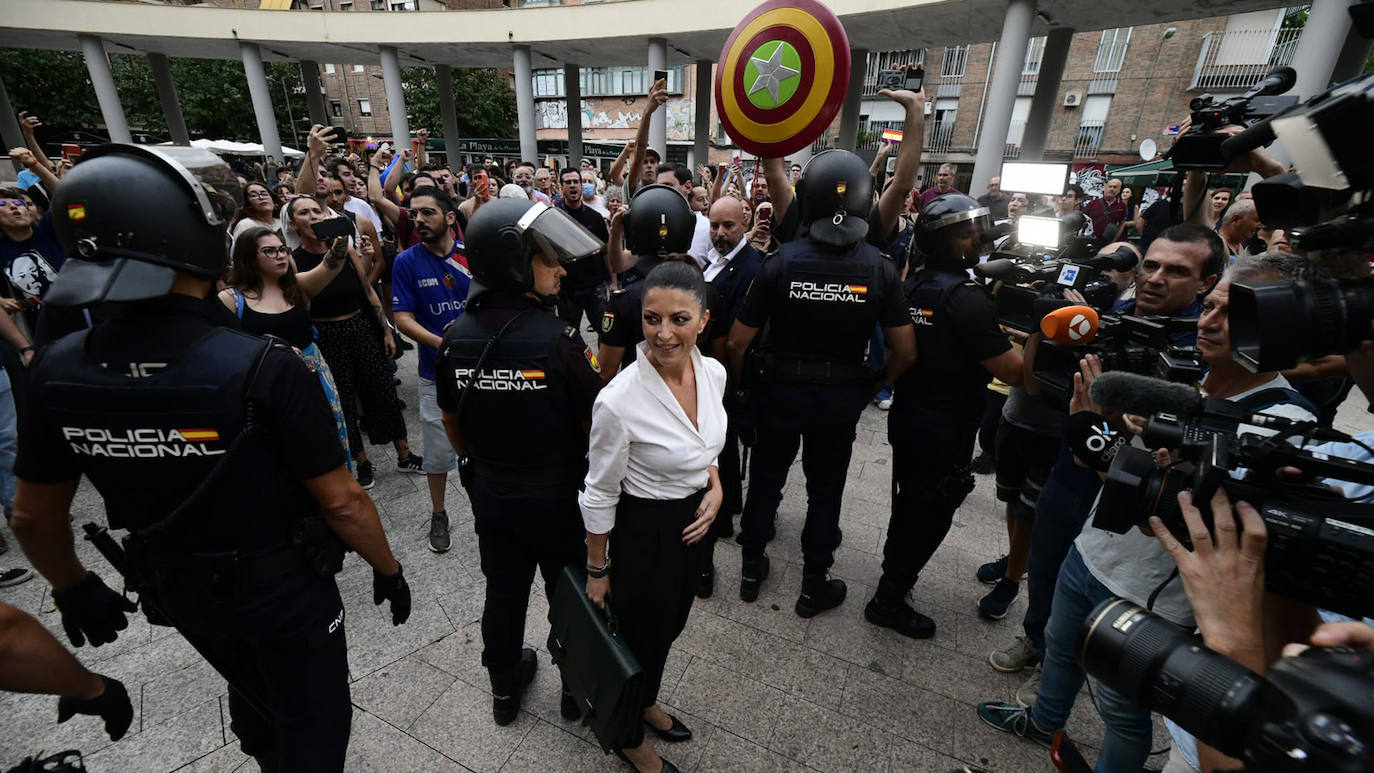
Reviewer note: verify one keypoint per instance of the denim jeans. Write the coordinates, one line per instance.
(875, 360)
(9, 443)
(1129, 731)
(1063, 505)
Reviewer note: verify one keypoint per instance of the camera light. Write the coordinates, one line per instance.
(1040, 231)
(1032, 177)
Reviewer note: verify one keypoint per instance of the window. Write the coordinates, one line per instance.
(336, 108)
(402, 6)
(1034, 53)
(358, 68)
(548, 83)
(1111, 51)
(365, 107)
(345, 6)
(379, 5)
(328, 69)
(953, 62)
(1092, 124)
(603, 81)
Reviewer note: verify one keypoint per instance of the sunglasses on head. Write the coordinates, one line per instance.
(22, 204)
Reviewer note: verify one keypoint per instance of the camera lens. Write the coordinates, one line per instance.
(1274, 324)
(1157, 665)
(1137, 488)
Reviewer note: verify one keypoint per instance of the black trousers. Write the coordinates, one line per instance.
(731, 481)
(930, 479)
(573, 302)
(283, 645)
(992, 416)
(653, 581)
(819, 420)
(361, 369)
(519, 529)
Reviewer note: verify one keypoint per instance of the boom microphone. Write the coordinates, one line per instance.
(1092, 440)
(1144, 396)
(1071, 325)
(1278, 81)
(995, 268)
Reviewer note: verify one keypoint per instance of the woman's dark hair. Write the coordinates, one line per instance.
(678, 272)
(245, 209)
(245, 277)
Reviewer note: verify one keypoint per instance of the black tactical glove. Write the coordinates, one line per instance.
(90, 610)
(113, 706)
(393, 589)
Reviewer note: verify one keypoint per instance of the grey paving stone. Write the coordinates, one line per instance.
(459, 725)
(377, 746)
(827, 740)
(729, 752)
(225, 758)
(902, 709)
(176, 693)
(729, 700)
(167, 746)
(374, 642)
(547, 747)
(400, 692)
(907, 756)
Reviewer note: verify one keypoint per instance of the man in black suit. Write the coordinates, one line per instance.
(730, 268)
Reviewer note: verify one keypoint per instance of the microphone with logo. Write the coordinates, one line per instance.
(1070, 325)
(1092, 440)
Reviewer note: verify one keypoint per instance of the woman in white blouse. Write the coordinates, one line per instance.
(652, 486)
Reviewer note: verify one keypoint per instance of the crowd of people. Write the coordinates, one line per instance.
(733, 309)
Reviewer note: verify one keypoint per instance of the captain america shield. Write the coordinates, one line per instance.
(782, 76)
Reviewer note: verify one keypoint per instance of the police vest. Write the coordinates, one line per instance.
(517, 419)
(946, 384)
(826, 304)
(147, 438)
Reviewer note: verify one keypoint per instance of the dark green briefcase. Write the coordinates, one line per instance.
(597, 665)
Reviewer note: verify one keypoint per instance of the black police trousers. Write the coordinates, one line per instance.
(282, 649)
(820, 419)
(519, 529)
(731, 483)
(573, 302)
(930, 479)
(653, 581)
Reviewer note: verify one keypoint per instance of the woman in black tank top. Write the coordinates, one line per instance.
(270, 298)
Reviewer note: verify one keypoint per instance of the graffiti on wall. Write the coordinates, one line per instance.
(1091, 177)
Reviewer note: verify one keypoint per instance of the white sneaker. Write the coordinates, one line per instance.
(1028, 692)
(1017, 656)
(885, 405)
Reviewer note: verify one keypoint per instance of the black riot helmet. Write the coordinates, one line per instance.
(938, 221)
(835, 194)
(659, 222)
(130, 217)
(504, 236)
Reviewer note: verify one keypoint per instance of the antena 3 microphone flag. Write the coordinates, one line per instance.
(782, 76)
(1071, 325)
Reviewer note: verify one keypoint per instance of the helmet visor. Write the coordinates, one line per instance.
(553, 232)
(215, 186)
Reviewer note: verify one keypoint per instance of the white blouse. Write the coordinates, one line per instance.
(643, 443)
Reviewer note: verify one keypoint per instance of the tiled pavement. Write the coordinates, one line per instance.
(761, 688)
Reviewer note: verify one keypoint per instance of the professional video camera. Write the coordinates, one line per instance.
(1311, 712)
(1321, 545)
(1035, 271)
(1142, 345)
(1203, 146)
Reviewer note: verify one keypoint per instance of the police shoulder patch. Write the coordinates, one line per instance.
(607, 321)
(591, 358)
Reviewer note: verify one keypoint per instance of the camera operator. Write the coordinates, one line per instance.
(235, 525)
(1101, 564)
(939, 402)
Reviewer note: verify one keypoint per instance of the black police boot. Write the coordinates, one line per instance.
(507, 687)
(819, 593)
(888, 609)
(752, 573)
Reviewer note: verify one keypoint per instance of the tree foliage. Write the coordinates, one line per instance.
(484, 101)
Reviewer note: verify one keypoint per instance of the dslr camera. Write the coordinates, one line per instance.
(1321, 545)
(908, 78)
(1311, 712)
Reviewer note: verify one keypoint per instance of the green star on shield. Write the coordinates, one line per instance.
(773, 74)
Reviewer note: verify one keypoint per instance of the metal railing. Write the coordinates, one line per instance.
(1014, 133)
(941, 137)
(1089, 138)
(1238, 59)
(871, 133)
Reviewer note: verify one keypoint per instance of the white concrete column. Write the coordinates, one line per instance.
(10, 133)
(1046, 98)
(444, 77)
(395, 97)
(853, 97)
(262, 99)
(98, 65)
(1323, 37)
(658, 122)
(524, 103)
(701, 137)
(1006, 74)
(1352, 57)
(572, 91)
(167, 95)
(314, 94)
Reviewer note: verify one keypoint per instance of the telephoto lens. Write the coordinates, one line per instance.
(1276, 324)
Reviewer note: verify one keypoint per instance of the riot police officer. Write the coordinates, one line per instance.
(215, 449)
(516, 386)
(660, 222)
(938, 404)
(821, 298)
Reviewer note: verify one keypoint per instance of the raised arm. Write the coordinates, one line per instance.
(313, 281)
(908, 156)
(376, 195)
(27, 123)
(314, 153)
(25, 158)
(617, 174)
(658, 95)
(779, 189)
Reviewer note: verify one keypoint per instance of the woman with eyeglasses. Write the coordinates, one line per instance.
(258, 211)
(270, 298)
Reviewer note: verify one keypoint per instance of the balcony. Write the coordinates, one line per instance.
(941, 137)
(1014, 133)
(1238, 59)
(1089, 138)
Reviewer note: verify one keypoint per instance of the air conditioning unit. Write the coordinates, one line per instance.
(1073, 99)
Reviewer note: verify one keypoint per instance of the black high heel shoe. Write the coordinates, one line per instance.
(668, 767)
(675, 734)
